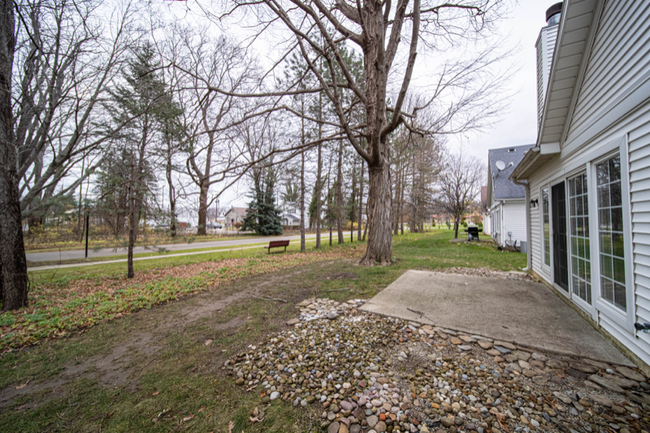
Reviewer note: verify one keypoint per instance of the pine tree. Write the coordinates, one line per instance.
(263, 216)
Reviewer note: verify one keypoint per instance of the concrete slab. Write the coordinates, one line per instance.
(522, 312)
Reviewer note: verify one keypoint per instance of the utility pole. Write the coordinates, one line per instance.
(87, 226)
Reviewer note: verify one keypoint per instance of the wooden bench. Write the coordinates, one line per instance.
(277, 244)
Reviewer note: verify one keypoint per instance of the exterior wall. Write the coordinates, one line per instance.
(611, 116)
(545, 48)
(514, 220)
(508, 216)
(487, 224)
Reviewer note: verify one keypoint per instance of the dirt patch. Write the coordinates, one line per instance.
(342, 276)
(117, 367)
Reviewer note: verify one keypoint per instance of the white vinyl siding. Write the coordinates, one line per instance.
(535, 239)
(620, 57)
(639, 161)
(514, 221)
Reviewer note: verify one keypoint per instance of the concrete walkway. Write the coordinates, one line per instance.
(107, 252)
(520, 312)
(157, 256)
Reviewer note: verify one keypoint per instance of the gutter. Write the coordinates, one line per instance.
(529, 256)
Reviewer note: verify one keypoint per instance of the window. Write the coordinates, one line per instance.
(610, 228)
(579, 235)
(547, 227)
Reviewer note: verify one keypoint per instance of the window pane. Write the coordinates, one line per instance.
(617, 219)
(619, 296)
(615, 169)
(619, 270)
(606, 266)
(605, 222)
(605, 243)
(602, 173)
(603, 196)
(607, 287)
(615, 195)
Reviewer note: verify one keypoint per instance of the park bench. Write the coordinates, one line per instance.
(277, 244)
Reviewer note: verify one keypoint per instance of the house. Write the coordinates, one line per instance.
(290, 219)
(235, 215)
(506, 200)
(588, 176)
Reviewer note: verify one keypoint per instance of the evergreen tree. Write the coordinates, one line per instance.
(263, 216)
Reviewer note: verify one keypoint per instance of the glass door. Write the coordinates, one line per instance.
(579, 235)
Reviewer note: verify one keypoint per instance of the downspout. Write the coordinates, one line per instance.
(529, 256)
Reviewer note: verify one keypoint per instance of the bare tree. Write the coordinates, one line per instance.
(58, 62)
(13, 264)
(207, 64)
(320, 30)
(459, 185)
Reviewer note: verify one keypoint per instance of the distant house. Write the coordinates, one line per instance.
(589, 172)
(235, 215)
(290, 219)
(505, 201)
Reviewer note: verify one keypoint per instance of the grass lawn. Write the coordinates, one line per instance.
(163, 360)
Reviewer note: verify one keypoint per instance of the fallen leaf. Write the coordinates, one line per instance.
(253, 420)
(156, 393)
(231, 425)
(201, 409)
(109, 414)
(207, 342)
(21, 386)
(187, 418)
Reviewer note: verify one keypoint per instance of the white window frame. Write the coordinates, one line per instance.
(625, 319)
(584, 305)
(548, 268)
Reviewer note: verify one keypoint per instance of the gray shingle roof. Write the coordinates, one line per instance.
(504, 188)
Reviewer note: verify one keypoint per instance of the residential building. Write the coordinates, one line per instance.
(506, 200)
(235, 215)
(589, 172)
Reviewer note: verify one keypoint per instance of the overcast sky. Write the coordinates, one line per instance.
(518, 124)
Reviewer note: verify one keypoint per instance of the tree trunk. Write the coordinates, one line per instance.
(203, 208)
(339, 194)
(302, 184)
(456, 227)
(396, 202)
(354, 187)
(359, 217)
(172, 194)
(14, 283)
(302, 203)
(319, 187)
(380, 239)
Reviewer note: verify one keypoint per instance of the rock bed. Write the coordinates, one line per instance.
(486, 272)
(367, 373)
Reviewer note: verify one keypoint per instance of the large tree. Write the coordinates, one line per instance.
(13, 264)
(384, 32)
(459, 185)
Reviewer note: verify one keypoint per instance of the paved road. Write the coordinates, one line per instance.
(108, 252)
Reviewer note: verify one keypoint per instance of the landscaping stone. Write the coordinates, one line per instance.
(366, 373)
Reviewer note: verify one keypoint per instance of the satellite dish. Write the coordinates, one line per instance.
(501, 165)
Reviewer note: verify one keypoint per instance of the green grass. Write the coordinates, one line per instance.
(161, 350)
(151, 254)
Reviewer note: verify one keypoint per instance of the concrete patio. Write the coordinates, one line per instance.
(521, 312)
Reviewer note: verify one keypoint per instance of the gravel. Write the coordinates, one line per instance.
(360, 372)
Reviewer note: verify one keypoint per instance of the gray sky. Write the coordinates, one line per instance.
(518, 124)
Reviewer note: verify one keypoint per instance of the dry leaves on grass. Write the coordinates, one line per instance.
(56, 311)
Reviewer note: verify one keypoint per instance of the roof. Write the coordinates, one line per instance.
(484, 199)
(238, 210)
(502, 187)
(572, 47)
